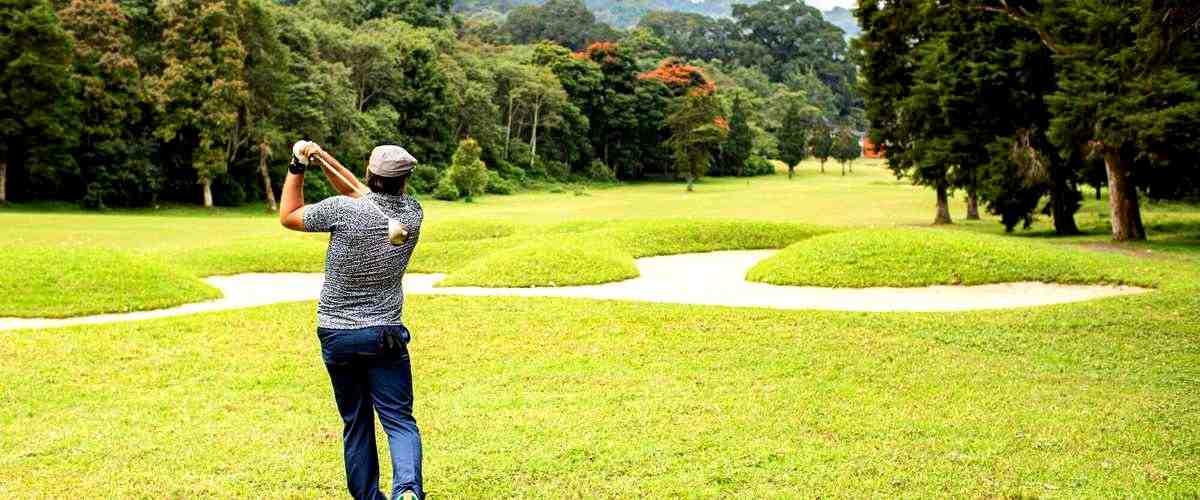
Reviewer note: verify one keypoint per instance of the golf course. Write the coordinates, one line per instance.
(576, 397)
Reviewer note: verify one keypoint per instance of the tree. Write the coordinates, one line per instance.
(696, 130)
(109, 83)
(470, 85)
(541, 93)
(567, 22)
(266, 77)
(821, 142)
(846, 147)
(901, 92)
(793, 137)
(737, 148)
(1127, 87)
(798, 38)
(202, 88)
(467, 171)
(581, 80)
(424, 13)
(37, 103)
(612, 109)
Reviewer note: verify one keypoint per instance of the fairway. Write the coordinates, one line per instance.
(557, 397)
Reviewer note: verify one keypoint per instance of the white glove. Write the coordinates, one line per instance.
(298, 151)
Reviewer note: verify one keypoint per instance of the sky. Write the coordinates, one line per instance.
(829, 4)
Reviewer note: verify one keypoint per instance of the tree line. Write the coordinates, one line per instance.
(133, 102)
(1019, 101)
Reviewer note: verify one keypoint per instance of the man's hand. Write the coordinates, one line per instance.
(310, 149)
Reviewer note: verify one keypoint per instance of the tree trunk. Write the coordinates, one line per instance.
(972, 205)
(852, 166)
(263, 151)
(1097, 192)
(3, 181)
(843, 169)
(822, 166)
(690, 180)
(791, 171)
(508, 129)
(1064, 218)
(208, 200)
(1122, 199)
(943, 207)
(533, 141)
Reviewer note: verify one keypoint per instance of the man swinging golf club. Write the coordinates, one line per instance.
(363, 341)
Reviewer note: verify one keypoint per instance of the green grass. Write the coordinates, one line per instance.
(921, 257)
(552, 398)
(562, 261)
(585, 253)
(643, 219)
(66, 281)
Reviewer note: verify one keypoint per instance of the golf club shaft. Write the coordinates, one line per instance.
(338, 174)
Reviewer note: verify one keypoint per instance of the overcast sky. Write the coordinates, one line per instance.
(829, 4)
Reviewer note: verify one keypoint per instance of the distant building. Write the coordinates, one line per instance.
(870, 149)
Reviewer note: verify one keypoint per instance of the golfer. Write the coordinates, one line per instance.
(363, 341)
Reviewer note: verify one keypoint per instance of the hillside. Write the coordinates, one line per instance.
(627, 13)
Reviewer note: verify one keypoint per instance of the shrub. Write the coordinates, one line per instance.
(537, 170)
(446, 189)
(512, 172)
(499, 185)
(598, 171)
(556, 170)
(424, 178)
(757, 165)
(467, 171)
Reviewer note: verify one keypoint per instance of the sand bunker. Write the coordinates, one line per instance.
(716, 278)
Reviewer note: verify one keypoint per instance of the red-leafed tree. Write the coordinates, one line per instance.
(681, 78)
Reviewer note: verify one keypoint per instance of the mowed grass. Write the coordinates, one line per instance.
(62, 282)
(591, 253)
(642, 219)
(552, 398)
(919, 257)
(563, 261)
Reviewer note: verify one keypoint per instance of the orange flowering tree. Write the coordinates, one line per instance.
(679, 77)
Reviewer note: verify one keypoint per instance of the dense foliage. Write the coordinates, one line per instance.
(133, 102)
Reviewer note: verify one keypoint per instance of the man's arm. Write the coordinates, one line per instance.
(291, 203)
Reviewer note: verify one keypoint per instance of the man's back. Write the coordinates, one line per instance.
(363, 269)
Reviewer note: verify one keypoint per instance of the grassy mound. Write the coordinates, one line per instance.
(67, 281)
(292, 253)
(923, 257)
(646, 238)
(448, 256)
(591, 252)
(563, 261)
(465, 230)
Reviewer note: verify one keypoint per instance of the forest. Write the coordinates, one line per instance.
(135, 102)
(1020, 101)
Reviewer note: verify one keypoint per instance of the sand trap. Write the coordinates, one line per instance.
(716, 278)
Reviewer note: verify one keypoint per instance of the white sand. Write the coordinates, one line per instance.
(716, 278)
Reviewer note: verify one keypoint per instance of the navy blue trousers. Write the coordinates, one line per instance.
(370, 371)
